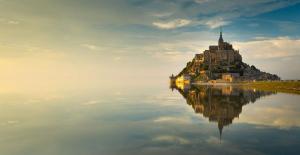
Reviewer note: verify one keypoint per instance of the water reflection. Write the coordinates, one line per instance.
(220, 104)
(150, 121)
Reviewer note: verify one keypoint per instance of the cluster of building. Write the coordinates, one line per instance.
(220, 63)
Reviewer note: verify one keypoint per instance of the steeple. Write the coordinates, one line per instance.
(221, 37)
(221, 41)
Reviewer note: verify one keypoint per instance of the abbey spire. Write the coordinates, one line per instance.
(221, 41)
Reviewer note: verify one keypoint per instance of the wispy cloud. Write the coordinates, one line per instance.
(166, 119)
(201, 1)
(214, 140)
(278, 47)
(117, 58)
(90, 47)
(281, 115)
(91, 102)
(9, 21)
(171, 139)
(215, 22)
(13, 22)
(172, 24)
(214, 13)
(179, 51)
(162, 15)
(31, 51)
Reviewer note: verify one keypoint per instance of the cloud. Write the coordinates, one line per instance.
(172, 24)
(117, 58)
(182, 49)
(273, 114)
(13, 50)
(279, 47)
(166, 119)
(174, 56)
(215, 22)
(214, 140)
(211, 13)
(92, 102)
(288, 26)
(8, 21)
(253, 25)
(90, 46)
(13, 22)
(12, 122)
(162, 15)
(272, 55)
(201, 1)
(171, 139)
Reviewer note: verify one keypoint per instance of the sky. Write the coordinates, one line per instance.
(70, 44)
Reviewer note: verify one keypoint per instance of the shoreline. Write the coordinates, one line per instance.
(278, 86)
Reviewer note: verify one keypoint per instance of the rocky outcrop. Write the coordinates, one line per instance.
(252, 73)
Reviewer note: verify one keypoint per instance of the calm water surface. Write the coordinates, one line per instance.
(152, 120)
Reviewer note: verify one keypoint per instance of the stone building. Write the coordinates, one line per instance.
(222, 54)
(230, 77)
(197, 62)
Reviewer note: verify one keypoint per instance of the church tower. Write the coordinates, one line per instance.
(221, 41)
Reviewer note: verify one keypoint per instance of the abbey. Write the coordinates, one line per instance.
(221, 63)
(222, 54)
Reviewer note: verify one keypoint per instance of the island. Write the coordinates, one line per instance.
(222, 64)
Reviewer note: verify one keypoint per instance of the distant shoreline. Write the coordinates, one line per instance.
(278, 86)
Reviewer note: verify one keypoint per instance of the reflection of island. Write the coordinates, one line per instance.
(219, 104)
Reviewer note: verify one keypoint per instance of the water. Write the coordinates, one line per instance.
(150, 121)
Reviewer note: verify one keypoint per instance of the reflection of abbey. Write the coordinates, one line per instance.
(219, 104)
(220, 63)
